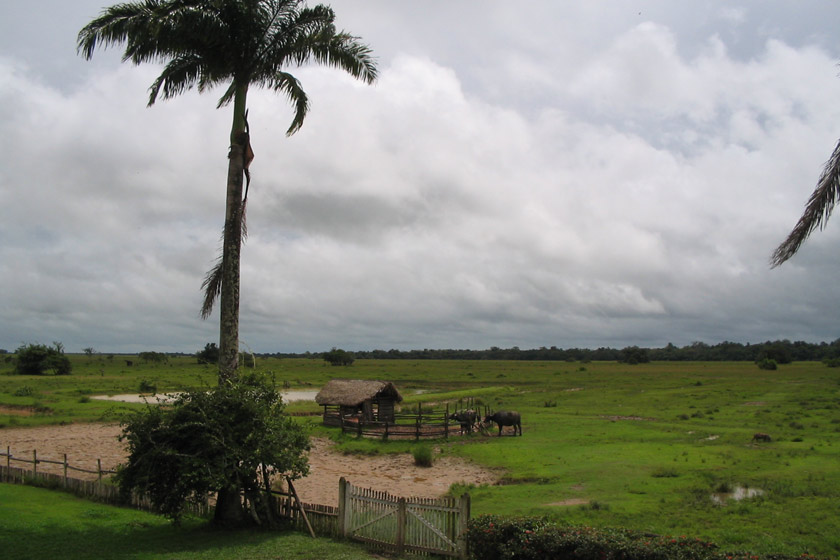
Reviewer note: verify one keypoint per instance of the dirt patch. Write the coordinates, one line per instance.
(569, 502)
(9, 410)
(85, 443)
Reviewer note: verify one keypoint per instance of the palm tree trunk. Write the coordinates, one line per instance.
(232, 244)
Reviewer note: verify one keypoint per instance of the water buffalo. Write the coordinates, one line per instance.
(467, 419)
(505, 418)
(762, 437)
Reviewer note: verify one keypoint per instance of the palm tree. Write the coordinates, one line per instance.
(817, 211)
(237, 44)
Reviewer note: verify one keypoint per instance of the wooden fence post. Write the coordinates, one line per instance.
(342, 497)
(65, 470)
(8, 457)
(463, 524)
(99, 469)
(401, 526)
(34, 462)
(446, 423)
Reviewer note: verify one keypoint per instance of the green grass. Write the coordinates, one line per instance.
(38, 523)
(645, 445)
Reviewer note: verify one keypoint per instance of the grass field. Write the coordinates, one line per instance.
(605, 444)
(41, 524)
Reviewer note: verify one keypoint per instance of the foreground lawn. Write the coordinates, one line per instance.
(38, 523)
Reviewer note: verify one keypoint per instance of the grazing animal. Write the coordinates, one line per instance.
(467, 419)
(505, 418)
(762, 437)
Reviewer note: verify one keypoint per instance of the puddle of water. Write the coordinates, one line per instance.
(288, 396)
(738, 493)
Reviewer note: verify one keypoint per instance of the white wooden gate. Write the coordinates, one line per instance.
(431, 525)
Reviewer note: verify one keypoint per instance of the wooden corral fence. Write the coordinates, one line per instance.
(398, 525)
(385, 522)
(408, 424)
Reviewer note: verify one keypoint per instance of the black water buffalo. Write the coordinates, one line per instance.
(505, 418)
(467, 419)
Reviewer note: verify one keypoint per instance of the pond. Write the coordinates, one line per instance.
(288, 396)
(737, 494)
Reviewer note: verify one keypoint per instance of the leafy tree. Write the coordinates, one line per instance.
(239, 44)
(210, 354)
(39, 359)
(89, 351)
(817, 210)
(153, 357)
(634, 355)
(229, 439)
(338, 357)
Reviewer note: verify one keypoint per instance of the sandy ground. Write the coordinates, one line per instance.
(396, 474)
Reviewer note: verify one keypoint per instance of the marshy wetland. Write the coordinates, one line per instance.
(646, 447)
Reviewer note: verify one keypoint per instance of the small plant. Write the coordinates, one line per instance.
(723, 488)
(550, 404)
(423, 455)
(84, 399)
(663, 472)
(147, 386)
(25, 391)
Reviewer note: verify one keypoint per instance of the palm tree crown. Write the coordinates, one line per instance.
(207, 43)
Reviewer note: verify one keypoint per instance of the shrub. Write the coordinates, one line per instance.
(768, 364)
(147, 386)
(25, 391)
(492, 537)
(423, 455)
(39, 359)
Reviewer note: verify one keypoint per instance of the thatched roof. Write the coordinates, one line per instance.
(353, 392)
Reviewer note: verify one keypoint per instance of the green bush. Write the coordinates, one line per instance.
(423, 455)
(40, 359)
(491, 537)
(25, 391)
(767, 363)
(147, 386)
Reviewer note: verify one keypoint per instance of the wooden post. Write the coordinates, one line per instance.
(99, 468)
(359, 427)
(446, 422)
(8, 457)
(463, 521)
(342, 497)
(65, 470)
(34, 461)
(300, 506)
(400, 526)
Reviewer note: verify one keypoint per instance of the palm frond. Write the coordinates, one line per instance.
(288, 84)
(817, 210)
(179, 75)
(212, 287)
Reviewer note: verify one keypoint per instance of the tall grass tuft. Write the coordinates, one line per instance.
(423, 455)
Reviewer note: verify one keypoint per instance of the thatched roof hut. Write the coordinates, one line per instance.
(370, 400)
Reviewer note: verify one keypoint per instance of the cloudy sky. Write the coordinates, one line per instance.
(576, 174)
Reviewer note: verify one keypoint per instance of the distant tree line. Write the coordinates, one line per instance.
(782, 351)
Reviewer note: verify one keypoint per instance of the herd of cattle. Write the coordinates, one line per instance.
(470, 420)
